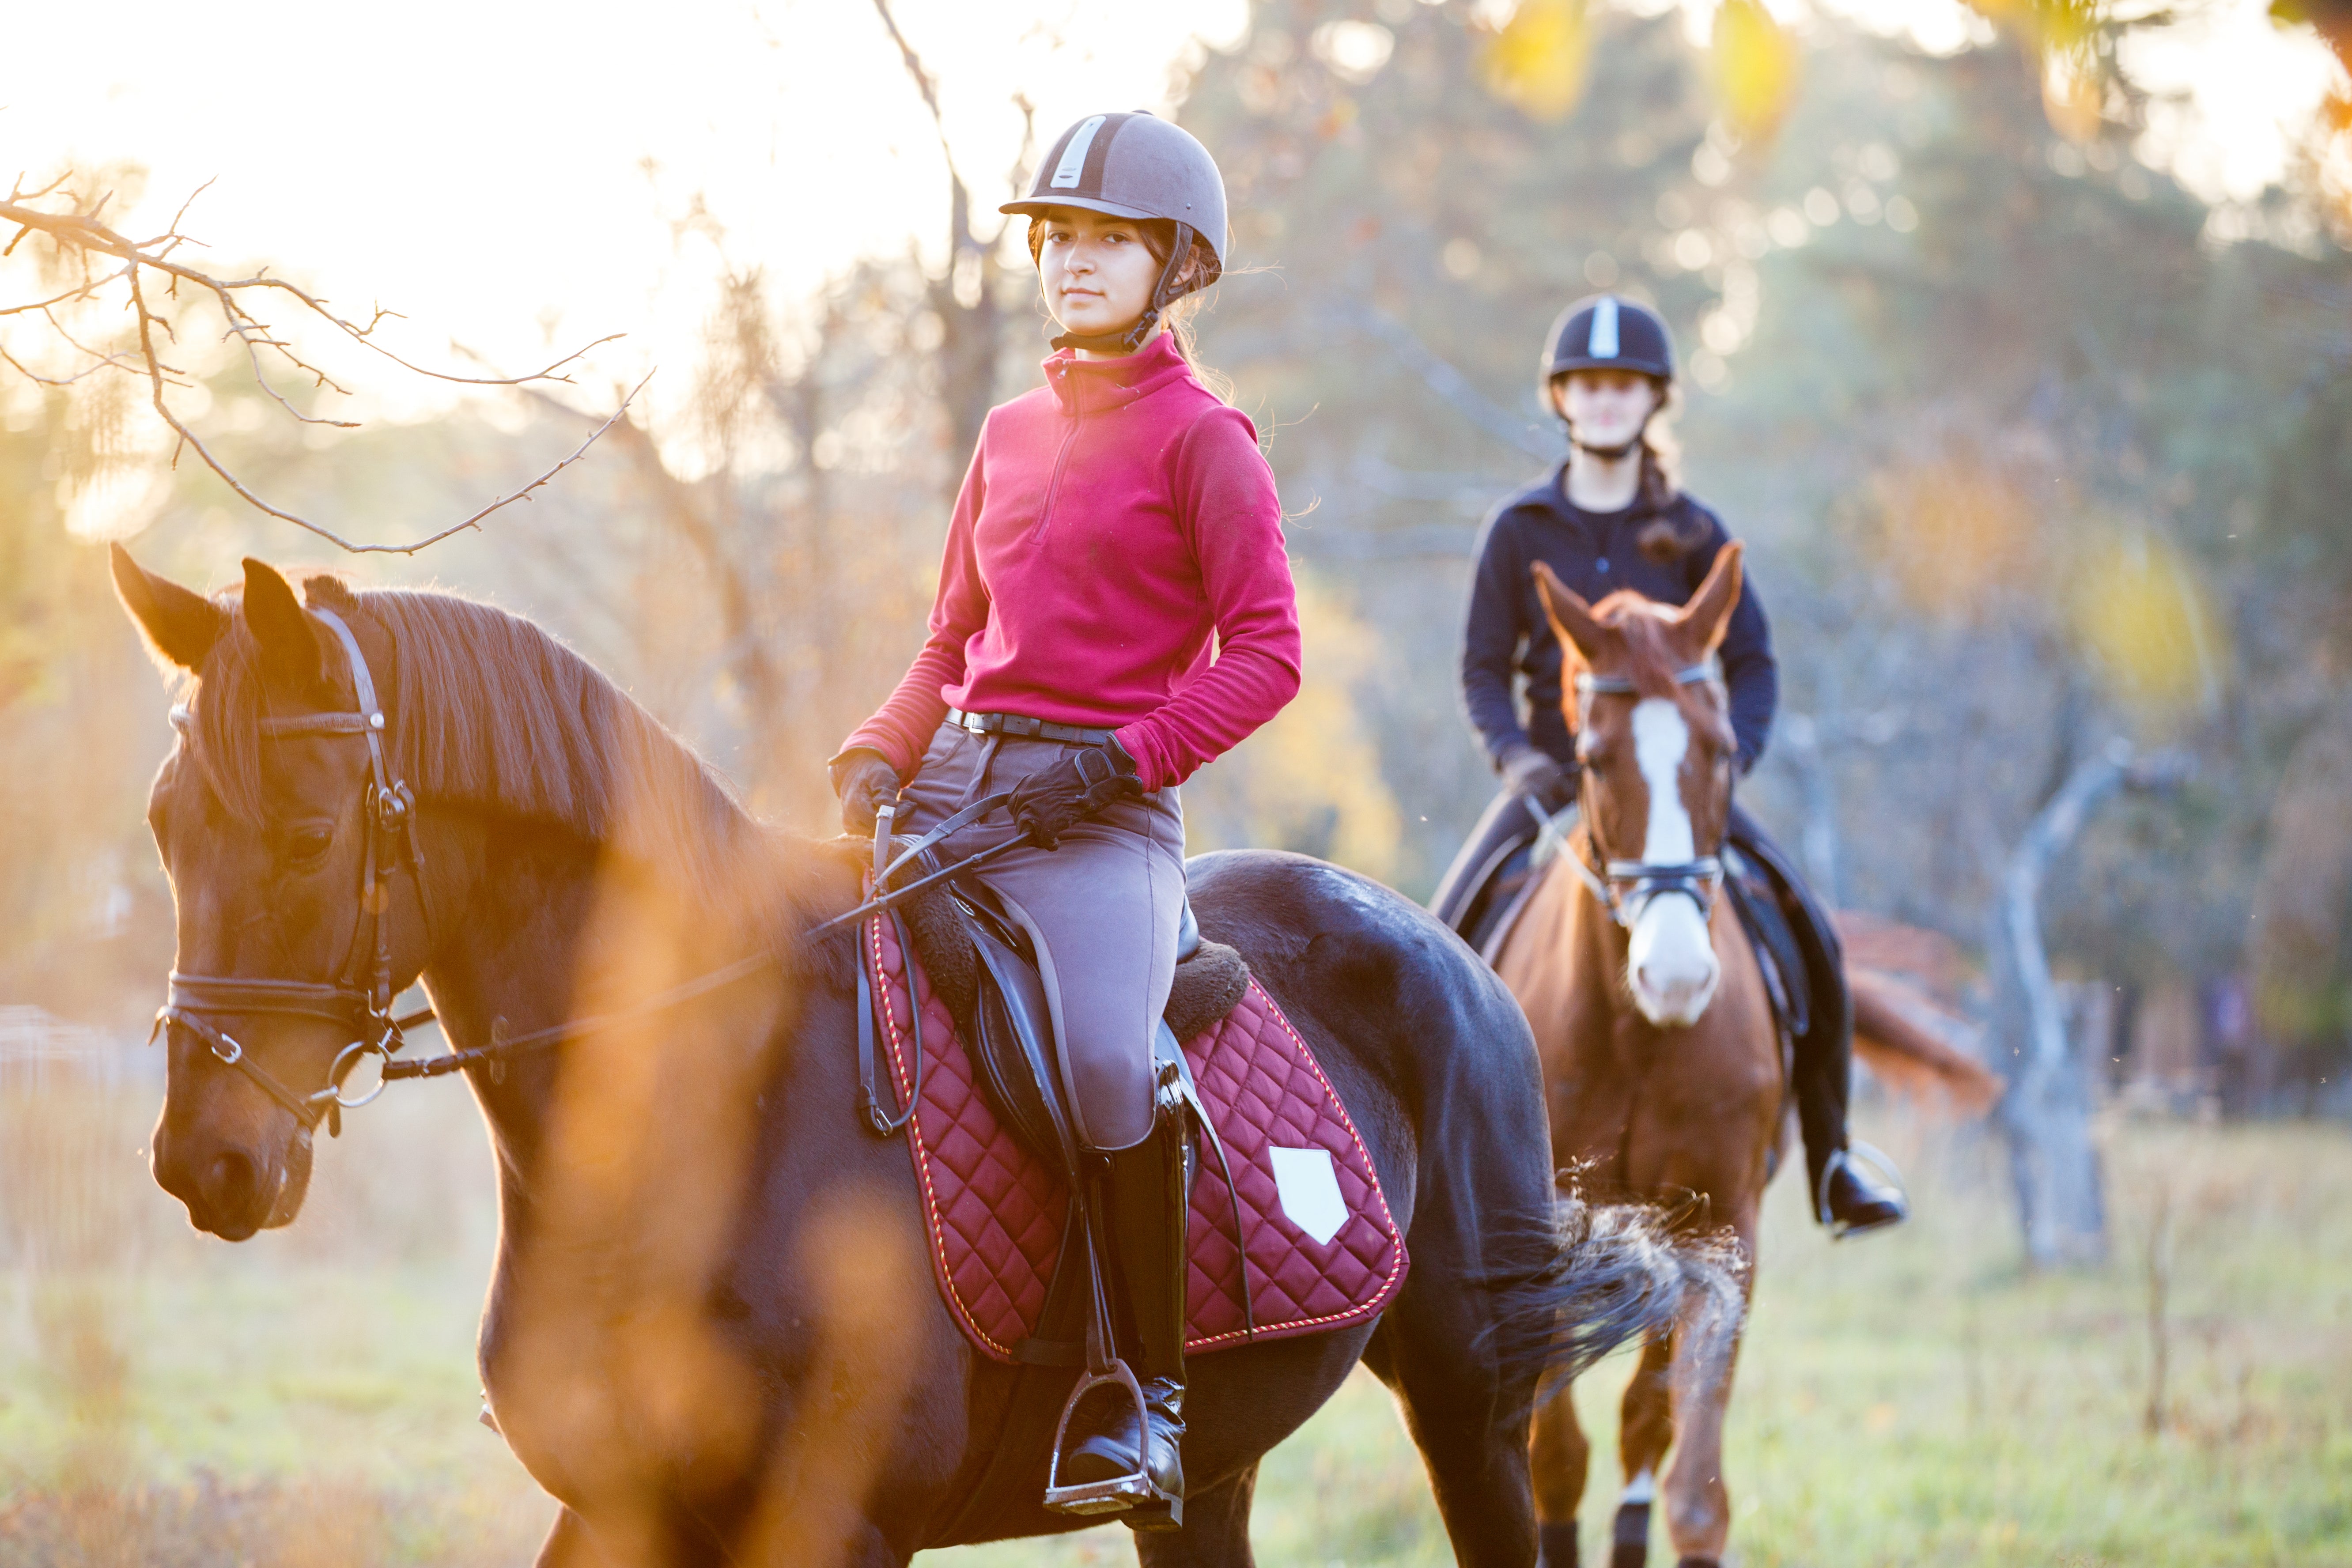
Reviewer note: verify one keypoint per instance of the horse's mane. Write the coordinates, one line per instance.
(492, 712)
(1641, 623)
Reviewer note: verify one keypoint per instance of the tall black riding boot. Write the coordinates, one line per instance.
(1140, 1210)
(1845, 1197)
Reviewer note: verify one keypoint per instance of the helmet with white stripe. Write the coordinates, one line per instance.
(1136, 165)
(1607, 332)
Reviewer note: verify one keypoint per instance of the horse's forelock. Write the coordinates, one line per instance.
(224, 702)
(1644, 630)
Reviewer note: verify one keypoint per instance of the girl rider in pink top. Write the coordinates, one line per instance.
(1115, 609)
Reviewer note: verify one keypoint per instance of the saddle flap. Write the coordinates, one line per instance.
(1777, 952)
(1015, 1051)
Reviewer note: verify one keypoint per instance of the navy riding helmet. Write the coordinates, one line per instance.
(1607, 332)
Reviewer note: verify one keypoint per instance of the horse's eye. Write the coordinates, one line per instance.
(306, 844)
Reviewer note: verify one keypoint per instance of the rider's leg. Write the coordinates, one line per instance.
(1106, 905)
(1844, 1197)
(1139, 1212)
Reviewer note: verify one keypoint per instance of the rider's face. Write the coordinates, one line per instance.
(1607, 408)
(1095, 270)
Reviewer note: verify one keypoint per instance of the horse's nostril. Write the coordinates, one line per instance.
(229, 1182)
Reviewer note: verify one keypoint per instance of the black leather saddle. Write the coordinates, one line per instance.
(994, 970)
(1012, 1038)
(1778, 955)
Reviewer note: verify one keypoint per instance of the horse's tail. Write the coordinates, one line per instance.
(1894, 1033)
(1618, 1272)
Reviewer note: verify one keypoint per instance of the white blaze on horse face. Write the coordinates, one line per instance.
(1670, 962)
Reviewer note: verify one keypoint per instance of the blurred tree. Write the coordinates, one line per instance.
(2035, 449)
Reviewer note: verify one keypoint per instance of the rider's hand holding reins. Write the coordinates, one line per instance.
(1532, 771)
(866, 782)
(1086, 782)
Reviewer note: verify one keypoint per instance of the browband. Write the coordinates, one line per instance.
(1591, 685)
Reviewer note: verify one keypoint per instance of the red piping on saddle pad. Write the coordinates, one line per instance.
(992, 1212)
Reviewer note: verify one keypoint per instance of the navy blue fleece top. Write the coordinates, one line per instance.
(1595, 553)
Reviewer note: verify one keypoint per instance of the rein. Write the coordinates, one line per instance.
(1625, 888)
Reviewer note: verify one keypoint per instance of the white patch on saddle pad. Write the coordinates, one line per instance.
(1309, 1189)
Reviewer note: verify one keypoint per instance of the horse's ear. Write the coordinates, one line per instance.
(180, 625)
(1571, 617)
(293, 658)
(1708, 614)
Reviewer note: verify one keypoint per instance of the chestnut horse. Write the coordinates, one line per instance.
(1661, 1059)
(1661, 1056)
(712, 1334)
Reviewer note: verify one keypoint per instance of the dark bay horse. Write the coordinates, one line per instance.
(1661, 1057)
(711, 1331)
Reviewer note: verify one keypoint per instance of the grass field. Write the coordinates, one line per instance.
(308, 1399)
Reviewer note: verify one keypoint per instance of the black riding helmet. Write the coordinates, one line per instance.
(1607, 332)
(1135, 165)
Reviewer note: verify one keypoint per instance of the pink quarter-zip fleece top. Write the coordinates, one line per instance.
(1116, 525)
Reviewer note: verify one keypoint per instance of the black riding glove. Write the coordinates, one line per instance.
(1534, 772)
(866, 782)
(1084, 783)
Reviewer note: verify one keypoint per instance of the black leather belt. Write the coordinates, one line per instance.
(1021, 725)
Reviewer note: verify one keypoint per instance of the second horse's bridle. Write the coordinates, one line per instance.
(363, 1010)
(1625, 888)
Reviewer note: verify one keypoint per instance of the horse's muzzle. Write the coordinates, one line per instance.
(233, 1190)
(1670, 964)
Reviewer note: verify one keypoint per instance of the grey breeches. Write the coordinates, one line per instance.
(1106, 906)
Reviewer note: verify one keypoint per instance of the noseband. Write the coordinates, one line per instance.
(363, 1010)
(1625, 888)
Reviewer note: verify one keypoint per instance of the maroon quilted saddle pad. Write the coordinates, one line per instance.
(1314, 1232)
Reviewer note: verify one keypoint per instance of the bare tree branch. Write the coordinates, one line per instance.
(923, 84)
(77, 229)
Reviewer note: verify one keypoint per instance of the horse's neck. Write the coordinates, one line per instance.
(615, 1145)
(515, 906)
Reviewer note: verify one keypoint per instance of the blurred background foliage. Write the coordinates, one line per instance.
(2035, 448)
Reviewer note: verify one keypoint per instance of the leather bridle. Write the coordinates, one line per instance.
(1625, 888)
(364, 1010)
(360, 1003)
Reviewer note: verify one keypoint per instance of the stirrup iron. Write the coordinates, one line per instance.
(1134, 1495)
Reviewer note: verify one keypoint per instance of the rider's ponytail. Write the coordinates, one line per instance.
(1675, 531)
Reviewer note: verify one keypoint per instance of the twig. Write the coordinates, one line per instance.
(923, 83)
(80, 230)
(83, 291)
(109, 362)
(522, 494)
